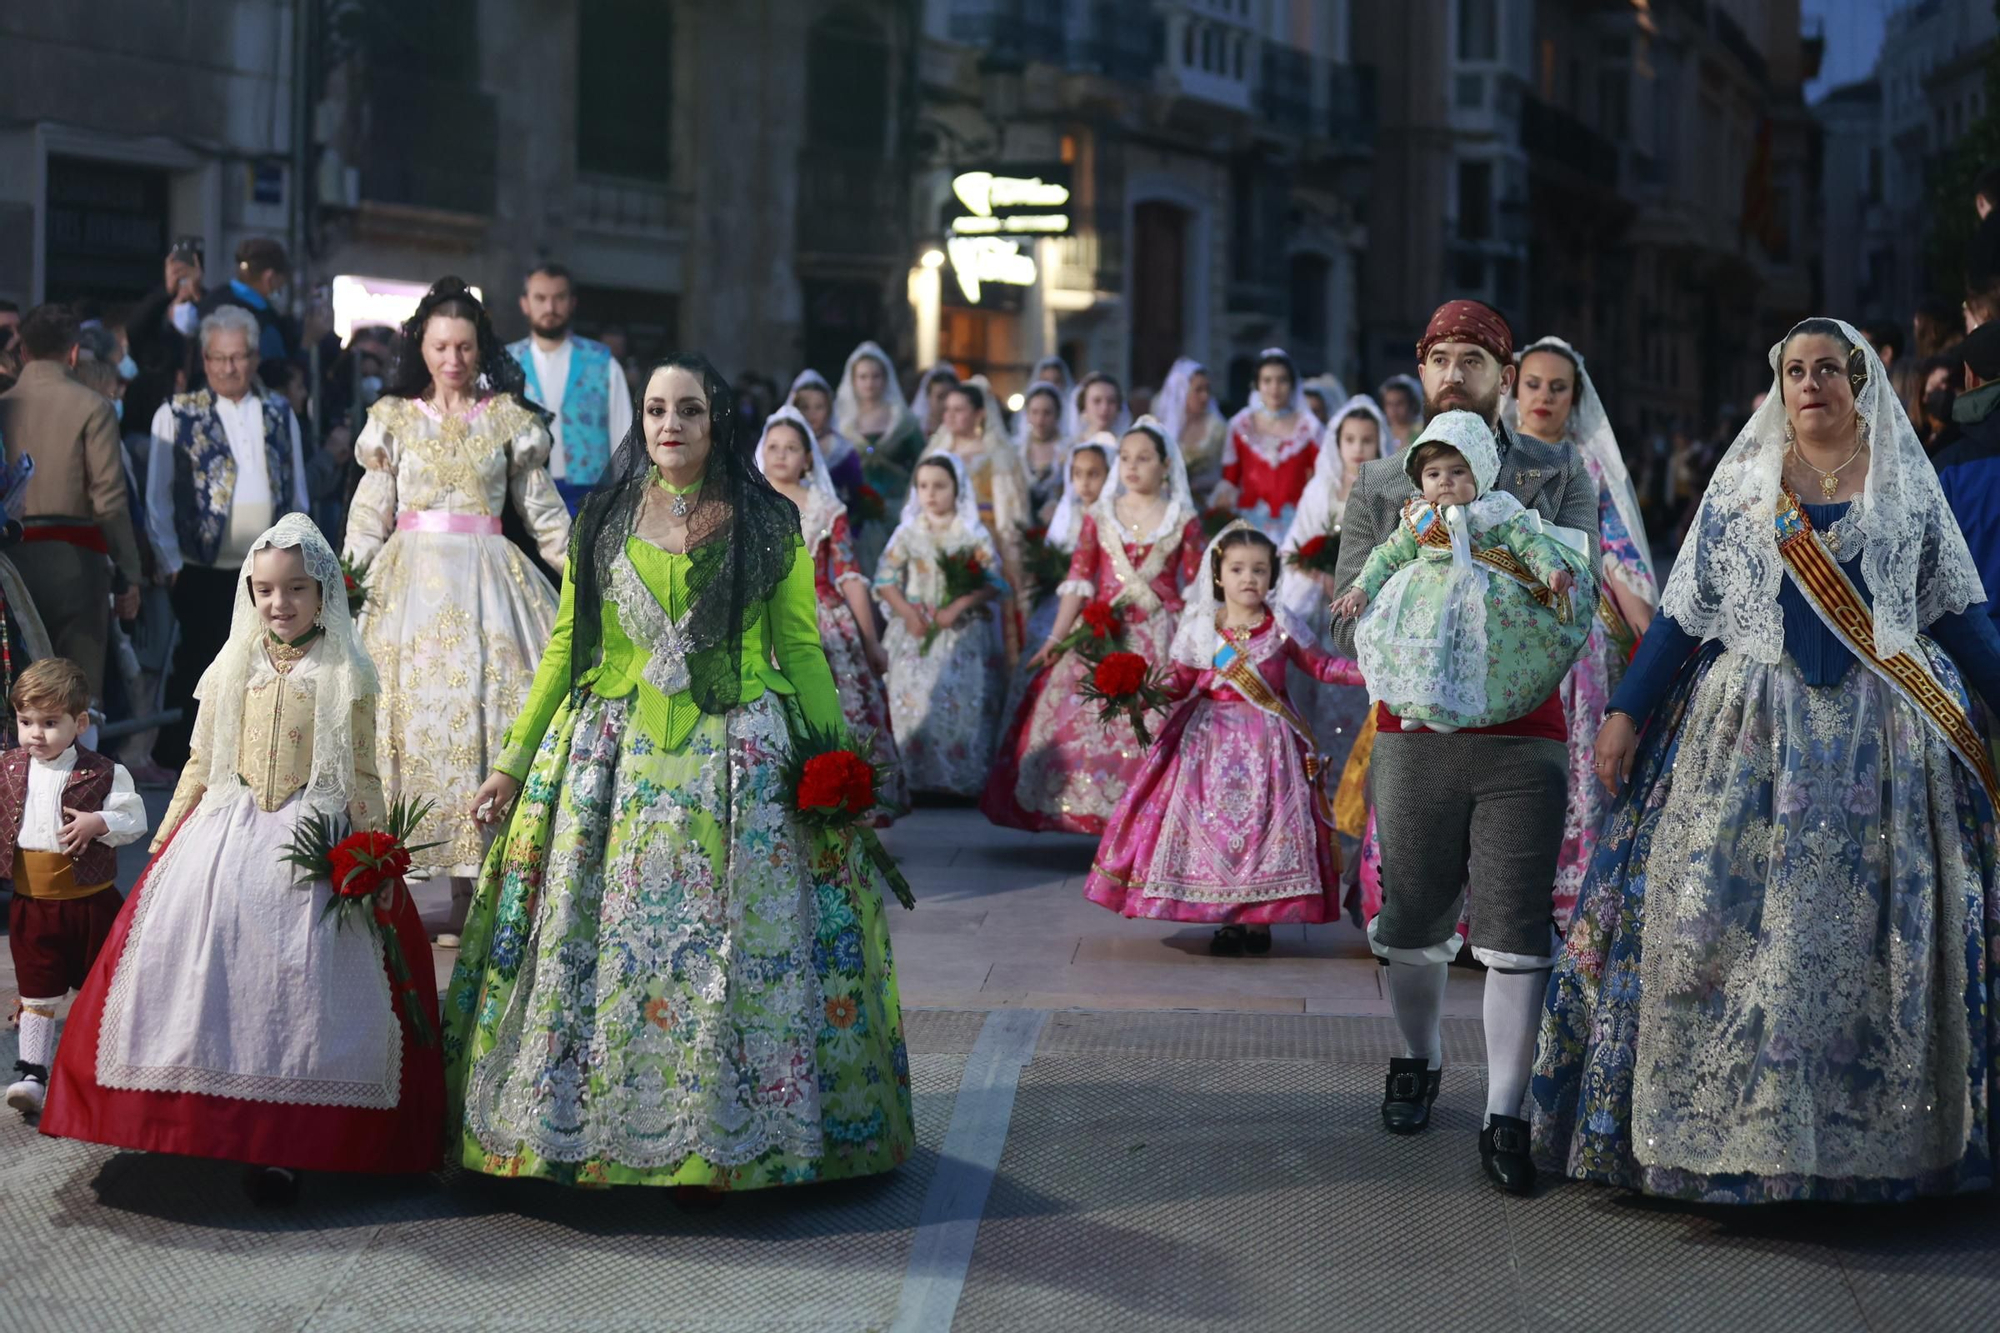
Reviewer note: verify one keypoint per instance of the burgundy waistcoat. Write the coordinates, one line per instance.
(89, 783)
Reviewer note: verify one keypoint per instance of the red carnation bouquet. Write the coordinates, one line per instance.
(366, 871)
(833, 788)
(1317, 555)
(964, 574)
(868, 506)
(354, 576)
(1123, 683)
(1100, 630)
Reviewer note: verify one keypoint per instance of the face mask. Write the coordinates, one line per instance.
(1937, 404)
(128, 369)
(371, 389)
(186, 319)
(118, 408)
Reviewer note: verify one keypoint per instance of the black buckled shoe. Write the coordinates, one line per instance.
(1503, 1151)
(1406, 1099)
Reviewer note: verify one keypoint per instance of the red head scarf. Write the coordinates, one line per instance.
(1469, 322)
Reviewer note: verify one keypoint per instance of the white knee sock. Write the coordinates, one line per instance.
(1416, 994)
(38, 1033)
(1513, 1013)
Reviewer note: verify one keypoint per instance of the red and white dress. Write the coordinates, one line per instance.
(227, 1016)
(1059, 769)
(864, 702)
(1270, 470)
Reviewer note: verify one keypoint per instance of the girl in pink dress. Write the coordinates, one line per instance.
(1227, 822)
(791, 460)
(1272, 450)
(1059, 768)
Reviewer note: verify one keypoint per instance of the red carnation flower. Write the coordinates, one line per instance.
(1120, 674)
(837, 780)
(1101, 619)
(361, 863)
(1309, 549)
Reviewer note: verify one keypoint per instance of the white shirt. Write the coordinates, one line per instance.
(42, 817)
(243, 426)
(552, 373)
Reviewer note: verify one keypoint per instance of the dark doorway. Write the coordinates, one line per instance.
(1159, 289)
(106, 229)
(840, 315)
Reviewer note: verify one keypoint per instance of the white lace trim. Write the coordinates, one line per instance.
(1725, 581)
(647, 625)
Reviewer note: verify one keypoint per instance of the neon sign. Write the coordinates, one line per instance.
(1030, 201)
(976, 260)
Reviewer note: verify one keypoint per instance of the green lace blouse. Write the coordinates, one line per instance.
(657, 599)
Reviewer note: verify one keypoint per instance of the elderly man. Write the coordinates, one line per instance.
(224, 465)
(1480, 809)
(76, 505)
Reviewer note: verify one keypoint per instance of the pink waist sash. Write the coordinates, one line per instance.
(436, 520)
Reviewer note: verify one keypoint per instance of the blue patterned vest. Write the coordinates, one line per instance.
(585, 418)
(205, 471)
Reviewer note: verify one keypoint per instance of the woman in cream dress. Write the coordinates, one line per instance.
(456, 615)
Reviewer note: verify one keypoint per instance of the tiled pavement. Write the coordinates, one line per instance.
(1181, 1143)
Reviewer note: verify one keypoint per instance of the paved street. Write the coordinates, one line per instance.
(1115, 1131)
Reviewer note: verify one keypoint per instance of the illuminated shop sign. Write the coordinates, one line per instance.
(1004, 211)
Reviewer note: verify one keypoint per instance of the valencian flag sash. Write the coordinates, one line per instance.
(1838, 603)
(1249, 682)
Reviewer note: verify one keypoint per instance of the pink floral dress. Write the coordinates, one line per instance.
(864, 703)
(1221, 824)
(1059, 769)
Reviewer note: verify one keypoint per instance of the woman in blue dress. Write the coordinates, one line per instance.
(1775, 985)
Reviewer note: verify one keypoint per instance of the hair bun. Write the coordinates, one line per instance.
(449, 285)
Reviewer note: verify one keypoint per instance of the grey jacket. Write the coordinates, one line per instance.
(1548, 478)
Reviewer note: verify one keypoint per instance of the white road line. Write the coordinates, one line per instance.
(949, 1224)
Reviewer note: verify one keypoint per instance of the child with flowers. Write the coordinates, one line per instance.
(946, 684)
(1061, 767)
(1226, 822)
(227, 1015)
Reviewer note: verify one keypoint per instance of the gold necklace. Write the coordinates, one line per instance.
(1829, 482)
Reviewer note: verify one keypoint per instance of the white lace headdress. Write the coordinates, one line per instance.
(345, 674)
(1414, 387)
(812, 379)
(818, 481)
(1328, 387)
(1063, 422)
(1064, 387)
(1177, 475)
(1195, 636)
(968, 502)
(999, 450)
(1330, 464)
(1590, 430)
(1067, 520)
(1297, 402)
(847, 403)
(1172, 399)
(1726, 577)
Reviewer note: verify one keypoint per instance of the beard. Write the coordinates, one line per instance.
(548, 326)
(1456, 399)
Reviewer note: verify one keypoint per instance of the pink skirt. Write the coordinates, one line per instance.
(1219, 827)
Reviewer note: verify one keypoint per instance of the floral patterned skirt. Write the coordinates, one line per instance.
(666, 979)
(1060, 769)
(1586, 692)
(1775, 984)
(946, 703)
(1218, 826)
(864, 704)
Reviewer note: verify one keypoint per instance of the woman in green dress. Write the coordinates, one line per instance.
(666, 977)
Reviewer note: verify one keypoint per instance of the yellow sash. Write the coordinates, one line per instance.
(1840, 606)
(49, 877)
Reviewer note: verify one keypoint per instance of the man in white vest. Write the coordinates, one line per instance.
(576, 379)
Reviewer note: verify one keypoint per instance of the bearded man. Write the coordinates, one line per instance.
(1477, 811)
(576, 379)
